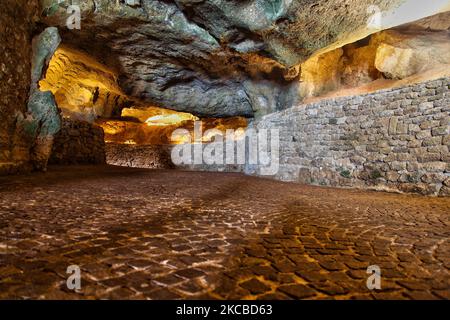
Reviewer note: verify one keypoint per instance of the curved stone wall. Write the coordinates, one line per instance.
(396, 140)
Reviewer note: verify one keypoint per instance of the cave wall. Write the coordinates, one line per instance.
(159, 157)
(29, 116)
(78, 142)
(17, 19)
(84, 89)
(402, 55)
(43, 119)
(395, 139)
(135, 156)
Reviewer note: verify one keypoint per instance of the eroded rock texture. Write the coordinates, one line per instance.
(409, 53)
(221, 58)
(83, 88)
(161, 131)
(17, 18)
(404, 54)
(43, 119)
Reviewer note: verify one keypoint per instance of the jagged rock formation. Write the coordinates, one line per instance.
(43, 120)
(17, 18)
(221, 58)
(397, 54)
(83, 88)
(159, 131)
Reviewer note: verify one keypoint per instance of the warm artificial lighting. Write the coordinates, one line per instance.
(181, 138)
(167, 120)
(159, 129)
(211, 135)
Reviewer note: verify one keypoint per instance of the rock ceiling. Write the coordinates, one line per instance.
(222, 58)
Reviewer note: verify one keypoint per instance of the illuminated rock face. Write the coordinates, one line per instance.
(16, 28)
(157, 115)
(159, 131)
(43, 120)
(84, 89)
(196, 56)
(88, 90)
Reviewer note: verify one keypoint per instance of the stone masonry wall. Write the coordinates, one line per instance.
(145, 156)
(395, 140)
(17, 19)
(157, 157)
(78, 142)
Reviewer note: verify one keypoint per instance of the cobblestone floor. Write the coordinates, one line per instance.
(141, 234)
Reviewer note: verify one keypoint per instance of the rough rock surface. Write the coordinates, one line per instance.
(43, 120)
(214, 236)
(17, 19)
(142, 133)
(83, 88)
(398, 54)
(217, 58)
(78, 142)
(395, 140)
(135, 156)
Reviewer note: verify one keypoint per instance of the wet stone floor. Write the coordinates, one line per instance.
(142, 234)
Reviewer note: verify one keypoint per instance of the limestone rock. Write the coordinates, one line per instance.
(83, 88)
(321, 73)
(154, 133)
(78, 142)
(45, 113)
(17, 20)
(196, 55)
(401, 55)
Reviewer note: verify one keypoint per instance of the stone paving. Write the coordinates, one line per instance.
(143, 234)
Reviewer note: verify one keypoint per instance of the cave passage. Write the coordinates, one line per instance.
(314, 139)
